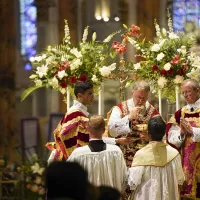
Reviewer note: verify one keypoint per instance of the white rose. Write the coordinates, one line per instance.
(167, 66)
(137, 66)
(61, 74)
(155, 48)
(160, 56)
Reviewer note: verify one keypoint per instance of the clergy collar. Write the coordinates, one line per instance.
(193, 106)
(92, 139)
(78, 105)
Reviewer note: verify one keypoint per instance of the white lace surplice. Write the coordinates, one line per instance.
(104, 168)
(156, 183)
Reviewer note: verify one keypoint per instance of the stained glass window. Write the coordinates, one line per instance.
(28, 30)
(185, 11)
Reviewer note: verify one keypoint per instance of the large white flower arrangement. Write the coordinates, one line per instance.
(62, 66)
(166, 62)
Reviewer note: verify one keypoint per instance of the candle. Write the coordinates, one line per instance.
(177, 97)
(100, 101)
(68, 99)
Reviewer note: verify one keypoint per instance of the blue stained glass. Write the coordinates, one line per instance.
(183, 11)
(29, 1)
(31, 13)
(27, 66)
(28, 19)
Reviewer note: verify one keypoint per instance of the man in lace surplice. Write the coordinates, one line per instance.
(183, 133)
(104, 162)
(156, 170)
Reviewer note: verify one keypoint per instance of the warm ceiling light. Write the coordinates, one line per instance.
(106, 19)
(98, 17)
(117, 19)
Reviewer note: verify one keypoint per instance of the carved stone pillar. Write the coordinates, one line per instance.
(7, 78)
(147, 11)
(67, 9)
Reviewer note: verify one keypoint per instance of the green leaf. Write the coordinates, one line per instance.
(28, 91)
(124, 25)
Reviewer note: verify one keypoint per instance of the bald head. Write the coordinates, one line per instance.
(190, 90)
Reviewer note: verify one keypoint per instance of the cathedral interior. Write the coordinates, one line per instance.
(29, 26)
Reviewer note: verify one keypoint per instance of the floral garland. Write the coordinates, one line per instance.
(62, 66)
(166, 62)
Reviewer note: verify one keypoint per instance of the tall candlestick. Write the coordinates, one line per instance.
(177, 97)
(160, 101)
(68, 99)
(100, 100)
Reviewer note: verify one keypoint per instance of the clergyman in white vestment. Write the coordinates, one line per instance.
(104, 162)
(156, 170)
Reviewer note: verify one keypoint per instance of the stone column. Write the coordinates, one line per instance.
(7, 78)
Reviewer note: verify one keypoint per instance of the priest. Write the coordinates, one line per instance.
(183, 133)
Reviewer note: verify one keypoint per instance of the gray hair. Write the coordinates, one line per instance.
(141, 85)
(193, 83)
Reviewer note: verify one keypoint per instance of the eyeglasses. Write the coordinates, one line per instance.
(188, 92)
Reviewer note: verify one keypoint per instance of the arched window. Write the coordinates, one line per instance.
(28, 31)
(184, 11)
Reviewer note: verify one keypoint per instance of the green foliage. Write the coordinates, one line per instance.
(167, 61)
(28, 91)
(61, 66)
